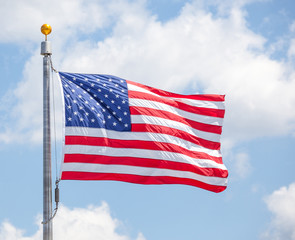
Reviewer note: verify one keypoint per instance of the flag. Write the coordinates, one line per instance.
(116, 129)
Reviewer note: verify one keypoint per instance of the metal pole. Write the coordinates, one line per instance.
(47, 182)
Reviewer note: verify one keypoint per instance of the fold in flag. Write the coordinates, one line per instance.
(120, 130)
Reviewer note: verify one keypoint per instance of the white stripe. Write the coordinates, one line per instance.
(136, 88)
(135, 102)
(142, 171)
(141, 153)
(200, 103)
(191, 102)
(175, 125)
(146, 136)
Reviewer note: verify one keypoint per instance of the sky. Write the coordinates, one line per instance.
(244, 49)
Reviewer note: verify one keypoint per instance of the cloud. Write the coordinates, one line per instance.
(242, 165)
(291, 50)
(203, 53)
(281, 205)
(196, 51)
(140, 237)
(90, 223)
(23, 18)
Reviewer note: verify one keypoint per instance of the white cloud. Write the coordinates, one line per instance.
(242, 165)
(291, 50)
(140, 237)
(23, 19)
(281, 204)
(292, 26)
(195, 51)
(74, 224)
(9, 232)
(216, 55)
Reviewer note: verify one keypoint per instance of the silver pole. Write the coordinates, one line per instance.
(47, 182)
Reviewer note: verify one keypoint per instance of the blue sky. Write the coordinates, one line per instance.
(244, 49)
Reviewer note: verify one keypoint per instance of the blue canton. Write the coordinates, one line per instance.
(96, 101)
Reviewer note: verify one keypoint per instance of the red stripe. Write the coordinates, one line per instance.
(203, 97)
(176, 133)
(177, 104)
(171, 116)
(144, 162)
(137, 144)
(140, 179)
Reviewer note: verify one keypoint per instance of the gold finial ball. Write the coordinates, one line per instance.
(46, 29)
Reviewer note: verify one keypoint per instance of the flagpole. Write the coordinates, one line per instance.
(47, 182)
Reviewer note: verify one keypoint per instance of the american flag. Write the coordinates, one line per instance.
(120, 130)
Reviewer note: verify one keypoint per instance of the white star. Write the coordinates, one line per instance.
(84, 91)
(121, 81)
(74, 101)
(75, 113)
(122, 90)
(99, 90)
(110, 80)
(114, 113)
(69, 119)
(108, 106)
(106, 96)
(101, 101)
(111, 90)
(97, 103)
(81, 84)
(92, 84)
(69, 107)
(73, 90)
(109, 117)
(120, 119)
(103, 121)
(92, 108)
(87, 113)
(81, 119)
(95, 95)
(68, 95)
(116, 85)
(103, 110)
(86, 102)
(112, 101)
(80, 107)
(125, 125)
(77, 86)
(86, 79)
(98, 80)
(125, 113)
(66, 85)
(98, 114)
(74, 78)
(79, 96)
(92, 120)
(114, 123)
(91, 98)
(104, 84)
(117, 96)
(119, 107)
(123, 101)
(88, 89)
